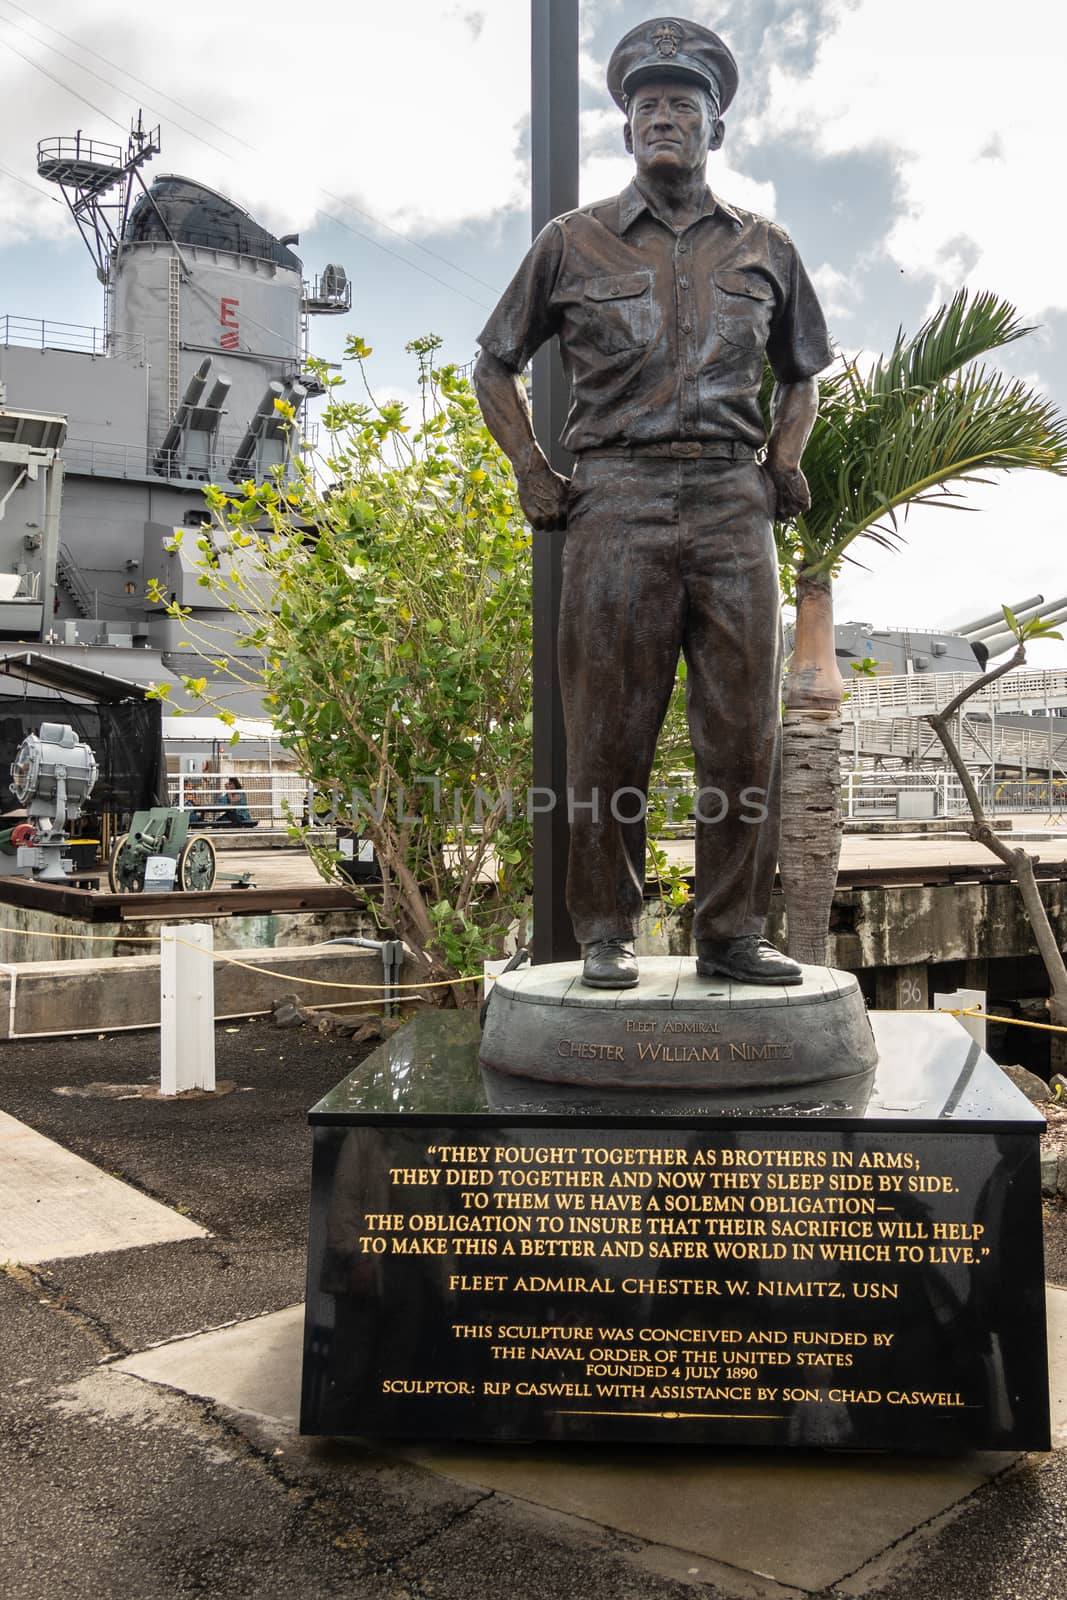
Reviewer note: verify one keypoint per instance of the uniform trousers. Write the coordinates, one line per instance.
(666, 557)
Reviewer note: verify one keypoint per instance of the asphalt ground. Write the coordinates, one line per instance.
(109, 1487)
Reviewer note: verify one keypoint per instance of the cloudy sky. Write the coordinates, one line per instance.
(909, 147)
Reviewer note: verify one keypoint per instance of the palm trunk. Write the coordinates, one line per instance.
(811, 775)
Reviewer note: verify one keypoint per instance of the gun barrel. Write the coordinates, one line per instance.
(994, 619)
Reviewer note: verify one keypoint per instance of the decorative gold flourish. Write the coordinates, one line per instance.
(675, 1416)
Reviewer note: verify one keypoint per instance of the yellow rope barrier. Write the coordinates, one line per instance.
(1015, 1022)
(108, 938)
(234, 961)
(327, 983)
(973, 1011)
(438, 983)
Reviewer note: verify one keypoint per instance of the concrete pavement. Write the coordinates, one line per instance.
(835, 1513)
(151, 1472)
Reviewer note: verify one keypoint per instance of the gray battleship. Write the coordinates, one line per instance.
(108, 436)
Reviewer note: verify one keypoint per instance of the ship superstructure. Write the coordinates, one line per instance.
(108, 436)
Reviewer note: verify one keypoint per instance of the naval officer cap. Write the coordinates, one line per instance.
(671, 47)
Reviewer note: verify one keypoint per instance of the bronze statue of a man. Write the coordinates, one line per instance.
(665, 301)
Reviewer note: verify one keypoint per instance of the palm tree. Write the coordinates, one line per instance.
(922, 423)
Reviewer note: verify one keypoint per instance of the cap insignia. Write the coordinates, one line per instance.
(666, 40)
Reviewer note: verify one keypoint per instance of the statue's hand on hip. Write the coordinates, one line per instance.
(792, 495)
(543, 496)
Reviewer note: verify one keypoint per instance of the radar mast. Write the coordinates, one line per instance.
(96, 181)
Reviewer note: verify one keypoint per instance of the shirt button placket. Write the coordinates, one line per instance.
(687, 399)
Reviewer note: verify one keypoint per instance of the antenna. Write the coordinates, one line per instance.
(96, 180)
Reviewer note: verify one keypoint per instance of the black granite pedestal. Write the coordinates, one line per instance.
(864, 1272)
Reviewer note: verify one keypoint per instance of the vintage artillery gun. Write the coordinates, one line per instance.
(161, 831)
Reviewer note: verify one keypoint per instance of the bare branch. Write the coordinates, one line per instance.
(1015, 660)
(1019, 862)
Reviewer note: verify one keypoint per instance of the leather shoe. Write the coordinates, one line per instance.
(748, 959)
(609, 964)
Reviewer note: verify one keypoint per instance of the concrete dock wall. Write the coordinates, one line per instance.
(899, 926)
(114, 994)
(31, 935)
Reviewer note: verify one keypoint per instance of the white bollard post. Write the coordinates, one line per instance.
(186, 1007)
(965, 1000)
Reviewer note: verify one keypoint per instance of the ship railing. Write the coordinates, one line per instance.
(37, 333)
(93, 457)
(920, 693)
(275, 797)
(279, 796)
(872, 792)
(911, 739)
(98, 456)
(80, 149)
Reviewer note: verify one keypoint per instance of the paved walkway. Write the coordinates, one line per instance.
(53, 1204)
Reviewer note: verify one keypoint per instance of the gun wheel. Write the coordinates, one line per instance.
(126, 876)
(196, 864)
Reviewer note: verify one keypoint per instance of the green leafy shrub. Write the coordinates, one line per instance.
(391, 612)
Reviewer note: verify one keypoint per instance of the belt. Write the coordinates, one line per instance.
(678, 450)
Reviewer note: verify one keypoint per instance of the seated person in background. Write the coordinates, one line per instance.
(235, 812)
(232, 809)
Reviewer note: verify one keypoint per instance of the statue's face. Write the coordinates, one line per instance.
(671, 127)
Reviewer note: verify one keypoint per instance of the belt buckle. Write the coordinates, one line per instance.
(686, 449)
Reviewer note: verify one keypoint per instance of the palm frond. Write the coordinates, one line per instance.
(969, 326)
(925, 417)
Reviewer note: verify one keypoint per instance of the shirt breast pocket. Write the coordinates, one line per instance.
(745, 304)
(619, 311)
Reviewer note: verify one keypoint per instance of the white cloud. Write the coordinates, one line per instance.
(969, 101)
(412, 113)
(417, 114)
(838, 294)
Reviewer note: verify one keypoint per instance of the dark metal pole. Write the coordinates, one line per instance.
(554, 153)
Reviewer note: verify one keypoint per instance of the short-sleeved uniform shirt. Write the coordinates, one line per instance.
(662, 333)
